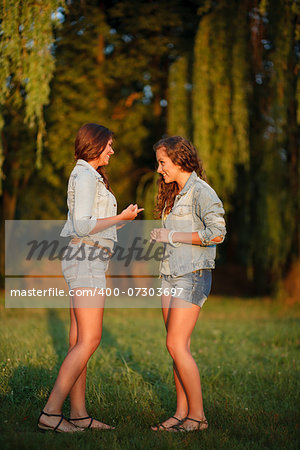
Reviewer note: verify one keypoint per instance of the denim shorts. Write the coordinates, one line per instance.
(82, 271)
(194, 287)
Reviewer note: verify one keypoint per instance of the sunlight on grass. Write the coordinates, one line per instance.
(246, 351)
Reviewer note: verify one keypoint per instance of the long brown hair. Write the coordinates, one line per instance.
(90, 142)
(183, 154)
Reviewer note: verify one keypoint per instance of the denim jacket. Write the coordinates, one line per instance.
(196, 208)
(88, 200)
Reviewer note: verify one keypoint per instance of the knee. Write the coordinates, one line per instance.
(91, 342)
(72, 342)
(177, 346)
(172, 345)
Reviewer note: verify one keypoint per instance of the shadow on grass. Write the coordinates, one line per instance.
(149, 390)
(30, 385)
(59, 335)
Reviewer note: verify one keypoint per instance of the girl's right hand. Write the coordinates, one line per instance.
(130, 212)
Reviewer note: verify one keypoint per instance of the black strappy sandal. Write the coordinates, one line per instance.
(44, 427)
(164, 428)
(90, 424)
(82, 418)
(200, 422)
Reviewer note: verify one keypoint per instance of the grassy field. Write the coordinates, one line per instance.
(246, 351)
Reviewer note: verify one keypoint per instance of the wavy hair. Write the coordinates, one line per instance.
(183, 154)
(90, 142)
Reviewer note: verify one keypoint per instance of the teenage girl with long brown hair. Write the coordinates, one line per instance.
(192, 226)
(91, 226)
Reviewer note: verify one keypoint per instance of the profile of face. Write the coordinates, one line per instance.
(104, 157)
(166, 167)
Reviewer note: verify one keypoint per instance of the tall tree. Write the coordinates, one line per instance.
(220, 94)
(27, 66)
(275, 157)
(245, 126)
(27, 63)
(116, 55)
(179, 110)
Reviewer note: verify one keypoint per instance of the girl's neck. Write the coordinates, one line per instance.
(182, 179)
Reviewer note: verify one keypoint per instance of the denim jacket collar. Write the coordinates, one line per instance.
(82, 162)
(188, 184)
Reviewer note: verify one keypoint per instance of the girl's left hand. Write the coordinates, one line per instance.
(160, 235)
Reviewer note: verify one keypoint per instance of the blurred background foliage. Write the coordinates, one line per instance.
(223, 74)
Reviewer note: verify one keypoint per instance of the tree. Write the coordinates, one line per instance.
(245, 127)
(27, 63)
(179, 110)
(116, 55)
(221, 95)
(275, 151)
(27, 66)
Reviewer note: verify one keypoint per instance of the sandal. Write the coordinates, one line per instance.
(164, 428)
(44, 427)
(89, 425)
(199, 422)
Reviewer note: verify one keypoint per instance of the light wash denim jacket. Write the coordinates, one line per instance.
(196, 208)
(88, 200)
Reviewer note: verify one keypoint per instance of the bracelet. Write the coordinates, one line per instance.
(170, 235)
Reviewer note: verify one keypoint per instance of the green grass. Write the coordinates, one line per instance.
(246, 351)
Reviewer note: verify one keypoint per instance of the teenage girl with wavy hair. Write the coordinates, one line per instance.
(183, 154)
(192, 225)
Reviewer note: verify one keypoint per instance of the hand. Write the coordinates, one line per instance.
(160, 235)
(130, 212)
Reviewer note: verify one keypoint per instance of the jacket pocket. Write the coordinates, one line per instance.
(182, 211)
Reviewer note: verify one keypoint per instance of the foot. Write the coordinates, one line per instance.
(168, 424)
(90, 422)
(56, 422)
(191, 424)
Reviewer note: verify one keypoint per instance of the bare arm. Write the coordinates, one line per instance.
(192, 238)
(161, 235)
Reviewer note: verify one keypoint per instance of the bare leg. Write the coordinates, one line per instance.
(182, 404)
(89, 331)
(181, 322)
(77, 393)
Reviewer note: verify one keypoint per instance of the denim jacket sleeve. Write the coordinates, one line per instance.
(85, 192)
(209, 209)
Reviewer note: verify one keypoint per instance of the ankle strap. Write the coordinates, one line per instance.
(198, 421)
(51, 415)
(80, 418)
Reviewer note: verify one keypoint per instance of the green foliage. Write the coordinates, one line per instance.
(274, 224)
(179, 120)
(91, 91)
(245, 128)
(26, 60)
(229, 72)
(120, 84)
(146, 194)
(241, 87)
(202, 91)
(220, 96)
